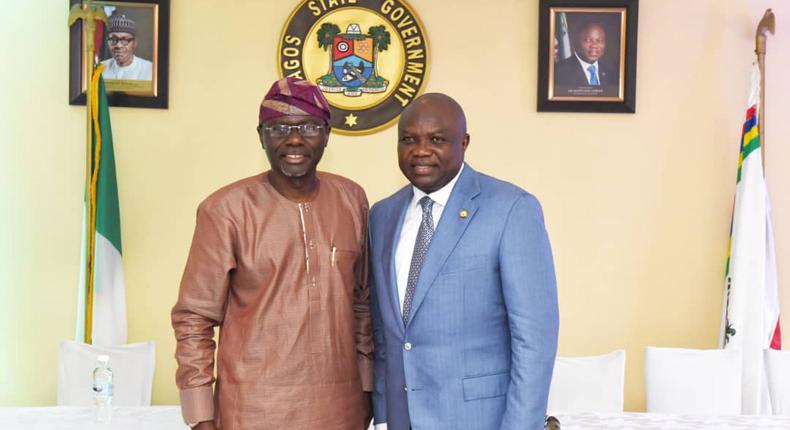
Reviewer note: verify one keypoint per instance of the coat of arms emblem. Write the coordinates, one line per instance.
(368, 57)
(352, 68)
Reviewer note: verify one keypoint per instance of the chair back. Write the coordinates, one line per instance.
(132, 366)
(777, 368)
(693, 381)
(588, 384)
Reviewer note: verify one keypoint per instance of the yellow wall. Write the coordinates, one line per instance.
(637, 206)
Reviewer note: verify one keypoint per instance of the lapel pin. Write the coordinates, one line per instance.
(463, 213)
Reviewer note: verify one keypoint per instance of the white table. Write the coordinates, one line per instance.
(169, 418)
(633, 420)
(78, 418)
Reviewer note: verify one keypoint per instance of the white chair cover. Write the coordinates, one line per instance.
(777, 368)
(132, 366)
(693, 381)
(588, 384)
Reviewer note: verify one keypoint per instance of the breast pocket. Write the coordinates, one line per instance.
(341, 259)
(465, 264)
(343, 264)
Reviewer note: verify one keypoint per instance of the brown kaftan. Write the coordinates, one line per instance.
(286, 284)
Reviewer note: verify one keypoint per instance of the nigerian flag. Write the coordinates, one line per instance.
(750, 318)
(101, 309)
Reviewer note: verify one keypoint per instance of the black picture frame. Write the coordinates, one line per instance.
(152, 37)
(563, 85)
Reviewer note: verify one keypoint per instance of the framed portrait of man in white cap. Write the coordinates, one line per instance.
(132, 50)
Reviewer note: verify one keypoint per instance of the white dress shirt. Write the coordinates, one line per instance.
(586, 67)
(411, 225)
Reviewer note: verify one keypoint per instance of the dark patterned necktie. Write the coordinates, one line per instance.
(424, 235)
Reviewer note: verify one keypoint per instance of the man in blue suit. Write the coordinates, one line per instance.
(463, 292)
(588, 67)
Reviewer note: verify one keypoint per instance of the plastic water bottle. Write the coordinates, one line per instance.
(102, 389)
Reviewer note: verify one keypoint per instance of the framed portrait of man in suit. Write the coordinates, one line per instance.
(132, 45)
(587, 55)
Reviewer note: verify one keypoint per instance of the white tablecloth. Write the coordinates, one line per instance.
(169, 418)
(75, 418)
(632, 420)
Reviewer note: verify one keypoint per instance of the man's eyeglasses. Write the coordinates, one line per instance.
(124, 41)
(279, 131)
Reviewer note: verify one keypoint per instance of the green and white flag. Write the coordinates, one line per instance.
(101, 310)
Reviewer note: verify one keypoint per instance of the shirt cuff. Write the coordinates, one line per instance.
(366, 373)
(197, 404)
(380, 426)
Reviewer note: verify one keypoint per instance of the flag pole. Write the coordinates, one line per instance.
(88, 13)
(767, 24)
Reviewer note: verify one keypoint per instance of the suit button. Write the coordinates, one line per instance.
(407, 346)
(405, 388)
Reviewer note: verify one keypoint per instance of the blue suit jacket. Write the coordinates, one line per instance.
(484, 320)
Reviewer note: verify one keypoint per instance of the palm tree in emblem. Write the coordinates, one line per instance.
(326, 36)
(381, 41)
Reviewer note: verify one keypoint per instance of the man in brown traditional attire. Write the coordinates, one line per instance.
(278, 262)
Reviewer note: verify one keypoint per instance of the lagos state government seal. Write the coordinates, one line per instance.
(368, 57)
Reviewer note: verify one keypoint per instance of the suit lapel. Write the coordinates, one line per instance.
(448, 232)
(392, 229)
(581, 74)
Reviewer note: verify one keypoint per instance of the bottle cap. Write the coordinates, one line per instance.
(104, 359)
